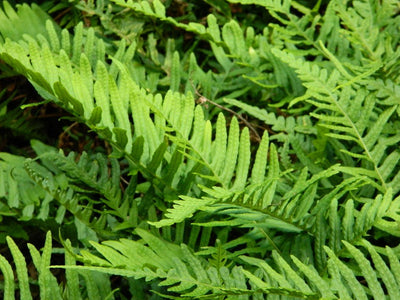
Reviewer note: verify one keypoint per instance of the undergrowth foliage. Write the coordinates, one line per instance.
(270, 168)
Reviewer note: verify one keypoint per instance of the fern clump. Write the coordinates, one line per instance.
(236, 161)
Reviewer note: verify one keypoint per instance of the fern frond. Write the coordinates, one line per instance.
(13, 26)
(340, 112)
(298, 210)
(276, 5)
(188, 205)
(182, 272)
(365, 17)
(7, 271)
(331, 179)
(79, 100)
(79, 186)
(282, 279)
(17, 188)
(157, 10)
(350, 224)
(47, 283)
(279, 124)
(374, 286)
(341, 275)
(20, 265)
(240, 63)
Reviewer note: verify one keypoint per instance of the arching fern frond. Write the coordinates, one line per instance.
(299, 210)
(354, 118)
(182, 271)
(115, 102)
(176, 268)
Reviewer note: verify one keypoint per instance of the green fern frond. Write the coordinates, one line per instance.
(80, 185)
(13, 26)
(157, 10)
(298, 210)
(365, 18)
(188, 205)
(279, 124)
(229, 48)
(350, 224)
(291, 213)
(79, 100)
(341, 275)
(343, 117)
(47, 283)
(182, 272)
(276, 5)
(7, 271)
(279, 280)
(20, 266)
(375, 287)
(17, 188)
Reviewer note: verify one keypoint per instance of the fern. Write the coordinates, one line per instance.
(49, 288)
(298, 213)
(15, 184)
(184, 271)
(345, 118)
(154, 151)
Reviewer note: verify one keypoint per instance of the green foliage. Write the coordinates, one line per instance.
(49, 288)
(282, 181)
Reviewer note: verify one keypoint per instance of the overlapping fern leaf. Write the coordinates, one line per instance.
(107, 105)
(342, 283)
(88, 187)
(191, 276)
(355, 118)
